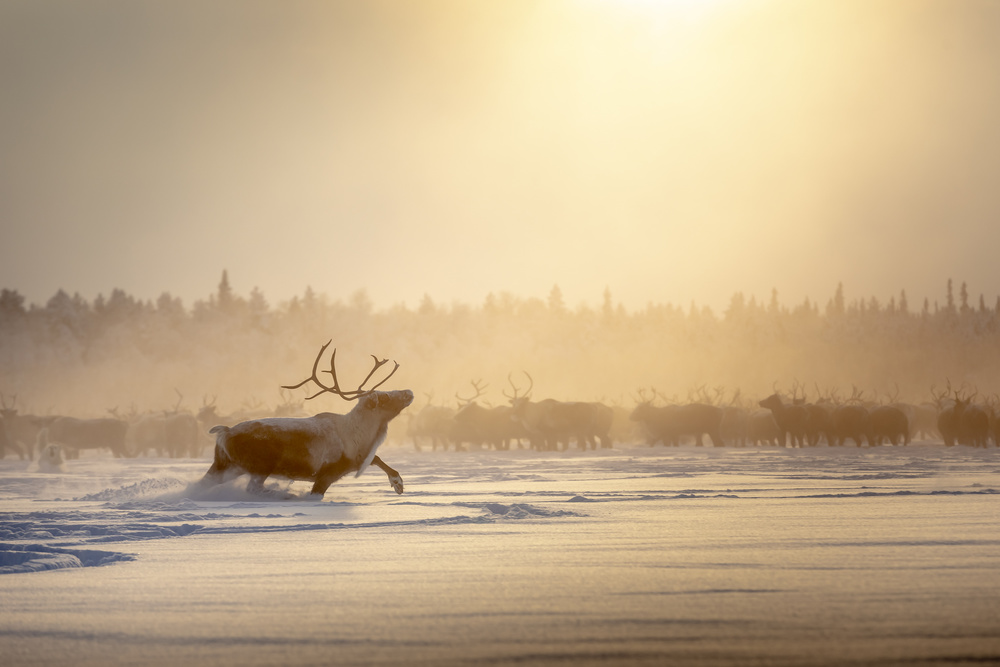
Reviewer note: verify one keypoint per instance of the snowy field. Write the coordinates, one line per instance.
(632, 556)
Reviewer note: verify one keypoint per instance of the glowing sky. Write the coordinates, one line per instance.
(669, 151)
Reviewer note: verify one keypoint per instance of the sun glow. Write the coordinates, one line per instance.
(686, 9)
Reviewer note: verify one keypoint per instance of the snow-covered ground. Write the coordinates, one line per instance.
(664, 556)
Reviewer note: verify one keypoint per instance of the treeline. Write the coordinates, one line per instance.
(74, 356)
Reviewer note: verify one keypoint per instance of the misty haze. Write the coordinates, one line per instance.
(535, 332)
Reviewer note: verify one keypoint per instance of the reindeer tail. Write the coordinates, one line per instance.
(222, 435)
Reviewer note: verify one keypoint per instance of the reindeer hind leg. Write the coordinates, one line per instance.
(256, 484)
(330, 473)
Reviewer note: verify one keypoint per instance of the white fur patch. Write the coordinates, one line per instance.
(379, 439)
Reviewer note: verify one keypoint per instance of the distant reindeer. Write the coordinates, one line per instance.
(18, 432)
(818, 418)
(474, 423)
(434, 422)
(208, 414)
(496, 426)
(975, 425)
(960, 420)
(669, 423)
(850, 420)
(735, 421)
(791, 420)
(78, 434)
(919, 419)
(762, 429)
(172, 432)
(551, 425)
(888, 422)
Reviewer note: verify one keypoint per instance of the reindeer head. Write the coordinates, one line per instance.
(387, 403)
(517, 400)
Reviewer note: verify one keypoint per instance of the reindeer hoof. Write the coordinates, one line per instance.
(397, 484)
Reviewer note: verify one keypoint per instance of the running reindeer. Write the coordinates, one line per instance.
(322, 448)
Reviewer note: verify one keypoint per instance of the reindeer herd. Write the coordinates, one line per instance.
(951, 416)
(324, 447)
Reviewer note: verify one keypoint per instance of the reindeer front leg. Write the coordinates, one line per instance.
(394, 478)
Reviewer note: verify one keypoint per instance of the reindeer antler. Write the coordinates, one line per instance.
(531, 384)
(177, 406)
(643, 397)
(480, 390)
(349, 395)
(796, 388)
